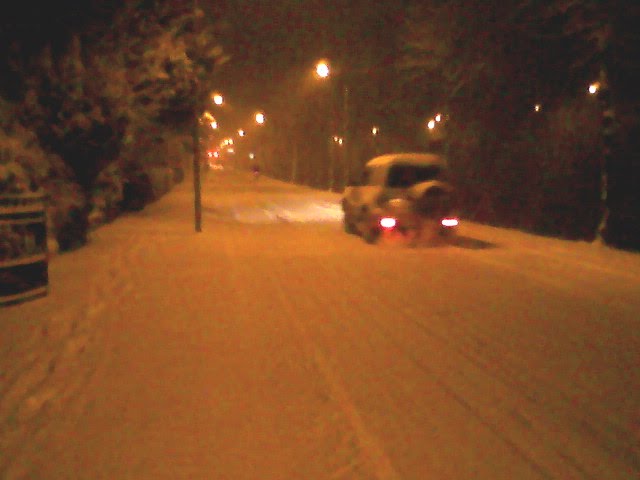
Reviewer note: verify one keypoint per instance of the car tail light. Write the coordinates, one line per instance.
(388, 222)
(449, 222)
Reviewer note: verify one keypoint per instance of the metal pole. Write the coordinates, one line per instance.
(197, 198)
(345, 133)
(332, 154)
(294, 165)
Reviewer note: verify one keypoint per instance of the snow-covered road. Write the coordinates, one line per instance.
(274, 346)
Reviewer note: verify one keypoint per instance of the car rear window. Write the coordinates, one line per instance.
(404, 176)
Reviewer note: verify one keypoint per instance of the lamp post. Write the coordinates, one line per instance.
(197, 194)
(375, 131)
(323, 72)
(260, 119)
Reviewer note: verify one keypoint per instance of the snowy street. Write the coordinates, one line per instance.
(275, 346)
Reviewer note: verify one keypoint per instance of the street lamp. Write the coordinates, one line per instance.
(594, 87)
(431, 124)
(260, 118)
(322, 69)
(217, 99)
(374, 132)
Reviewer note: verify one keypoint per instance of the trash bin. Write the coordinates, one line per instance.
(23, 248)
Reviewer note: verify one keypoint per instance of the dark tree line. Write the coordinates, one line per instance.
(112, 102)
(571, 167)
(530, 147)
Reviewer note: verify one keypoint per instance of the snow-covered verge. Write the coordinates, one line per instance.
(273, 345)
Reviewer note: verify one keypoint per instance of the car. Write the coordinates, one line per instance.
(403, 193)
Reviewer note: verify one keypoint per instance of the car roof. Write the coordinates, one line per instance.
(407, 158)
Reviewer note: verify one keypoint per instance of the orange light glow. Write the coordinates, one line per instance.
(218, 99)
(322, 69)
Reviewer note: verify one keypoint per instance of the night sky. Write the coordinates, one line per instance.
(35, 23)
(267, 39)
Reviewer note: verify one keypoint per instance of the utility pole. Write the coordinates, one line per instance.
(609, 131)
(197, 197)
(294, 163)
(332, 160)
(345, 133)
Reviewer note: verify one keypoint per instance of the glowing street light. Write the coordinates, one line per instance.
(594, 87)
(537, 107)
(375, 131)
(214, 125)
(260, 118)
(217, 99)
(438, 117)
(431, 125)
(322, 69)
(241, 132)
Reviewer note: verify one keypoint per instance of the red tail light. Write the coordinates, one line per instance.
(388, 222)
(449, 222)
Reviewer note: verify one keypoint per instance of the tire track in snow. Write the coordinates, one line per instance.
(344, 313)
(380, 464)
(366, 318)
(611, 434)
(403, 304)
(372, 455)
(250, 277)
(494, 423)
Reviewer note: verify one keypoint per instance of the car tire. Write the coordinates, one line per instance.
(348, 225)
(371, 235)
